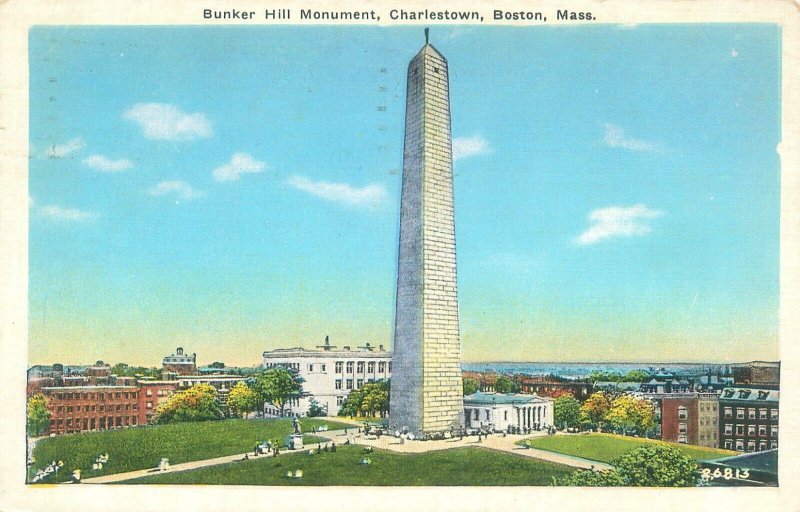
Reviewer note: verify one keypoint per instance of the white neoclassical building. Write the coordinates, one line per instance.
(329, 373)
(499, 411)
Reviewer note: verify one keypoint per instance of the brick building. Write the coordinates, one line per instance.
(748, 419)
(690, 418)
(152, 393)
(88, 408)
(547, 386)
(757, 373)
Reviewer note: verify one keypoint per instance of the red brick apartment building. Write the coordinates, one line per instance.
(87, 408)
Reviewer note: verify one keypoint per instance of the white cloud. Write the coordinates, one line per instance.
(617, 221)
(464, 147)
(62, 150)
(240, 163)
(59, 213)
(101, 163)
(369, 195)
(162, 121)
(180, 188)
(616, 138)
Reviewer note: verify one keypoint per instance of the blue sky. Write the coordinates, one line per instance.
(233, 190)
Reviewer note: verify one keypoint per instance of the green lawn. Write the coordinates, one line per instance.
(459, 466)
(608, 447)
(142, 447)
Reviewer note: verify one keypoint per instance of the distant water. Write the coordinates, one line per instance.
(581, 370)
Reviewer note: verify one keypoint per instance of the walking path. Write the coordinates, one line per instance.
(494, 442)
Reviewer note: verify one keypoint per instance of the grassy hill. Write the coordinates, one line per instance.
(608, 447)
(142, 447)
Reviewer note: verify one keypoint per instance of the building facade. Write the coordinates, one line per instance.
(690, 418)
(426, 391)
(329, 373)
(757, 373)
(180, 363)
(500, 412)
(88, 408)
(748, 419)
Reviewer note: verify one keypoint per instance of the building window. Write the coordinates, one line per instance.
(505, 415)
(762, 445)
(762, 430)
(751, 430)
(371, 367)
(740, 446)
(338, 383)
(149, 392)
(682, 415)
(751, 413)
(349, 383)
(762, 414)
(773, 431)
(476, 414)
(349, 366)
(739, 430)
(773, 445)
(322, 368)
(359, 383)
(487, 414)
(682, 428)
(728, 429)
(360, 367)
(339, 400)
(381, 367)
(311, 367)
(149, 405)
(682, 438)
(773, 414)
(729, 412)
(390, 369)
(728, 444)
(751, 446)
(339, 366)
(740, 413)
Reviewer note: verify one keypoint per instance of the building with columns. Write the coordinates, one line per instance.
(499, 411)
(426, 386)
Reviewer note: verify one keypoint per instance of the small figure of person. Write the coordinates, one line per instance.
(333, 447)
(319, 448)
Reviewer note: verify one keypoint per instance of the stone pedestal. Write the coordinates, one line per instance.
(296, 441)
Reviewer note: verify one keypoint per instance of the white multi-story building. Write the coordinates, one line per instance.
(330, 374)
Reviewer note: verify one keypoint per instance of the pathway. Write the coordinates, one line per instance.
(494, 442)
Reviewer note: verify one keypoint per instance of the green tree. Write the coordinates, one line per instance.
(277, 386)
(470, 386)
(371, 399)
(198, 403)
(657, 466)
(594, 409)
(631, 414)
(38, 415)
(636, 376)
(242, 399)
(315, 410)
(590, 478)
(505, 385)
(566, 411)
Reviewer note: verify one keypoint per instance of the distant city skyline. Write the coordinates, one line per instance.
(233, 190)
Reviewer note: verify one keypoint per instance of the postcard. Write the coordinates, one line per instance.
(449, 256)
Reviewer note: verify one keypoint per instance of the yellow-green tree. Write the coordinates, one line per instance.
(594, 409)
(631, 414)
(38, 415)
(198, 403)
(242, 399)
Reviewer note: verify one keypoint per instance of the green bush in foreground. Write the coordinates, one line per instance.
(648, 466)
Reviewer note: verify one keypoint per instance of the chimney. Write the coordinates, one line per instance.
(380, 347)
(346, 347)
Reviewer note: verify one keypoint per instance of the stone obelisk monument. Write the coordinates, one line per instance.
(426, 389)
